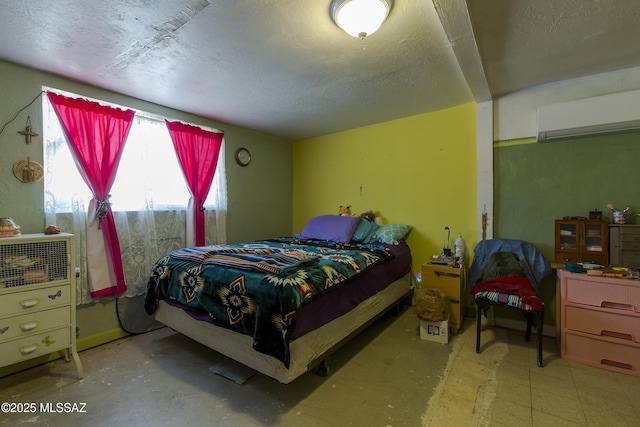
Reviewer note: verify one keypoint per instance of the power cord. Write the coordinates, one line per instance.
(20, 111)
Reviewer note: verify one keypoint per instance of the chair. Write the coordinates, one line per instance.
(508, 272)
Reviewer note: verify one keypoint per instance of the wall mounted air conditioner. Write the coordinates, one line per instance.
(618, 112)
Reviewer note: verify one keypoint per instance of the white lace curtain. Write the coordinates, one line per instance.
(149, 199)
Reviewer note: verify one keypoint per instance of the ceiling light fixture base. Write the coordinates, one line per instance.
(360, 18)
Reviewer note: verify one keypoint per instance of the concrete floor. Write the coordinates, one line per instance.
(386, 377)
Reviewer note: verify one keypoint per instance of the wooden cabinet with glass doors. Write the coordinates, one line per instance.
(582, 240)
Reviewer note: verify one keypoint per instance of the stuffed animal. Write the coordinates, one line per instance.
(368, 215)
(344, 210)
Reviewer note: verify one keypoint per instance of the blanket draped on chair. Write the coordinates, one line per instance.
(514, 291)
(534, 266)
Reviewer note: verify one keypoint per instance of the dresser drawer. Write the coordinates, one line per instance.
(34, 300)
(602, 353)
(630, 258)
(16, 326)
(17, 350)
(630, 246)
(567, 257)
(625, 327)
(573, 258)
(630, 236)
(444, 278)
(616, 293)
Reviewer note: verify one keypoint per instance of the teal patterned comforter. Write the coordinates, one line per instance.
(258, 288)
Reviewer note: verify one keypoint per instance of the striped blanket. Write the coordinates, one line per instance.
(258, 288)
(258, 257)
(514, 291)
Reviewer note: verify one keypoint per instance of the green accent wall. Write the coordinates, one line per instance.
(265, 187)
(536, 183)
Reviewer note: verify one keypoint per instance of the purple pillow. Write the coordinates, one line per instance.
(330, 227)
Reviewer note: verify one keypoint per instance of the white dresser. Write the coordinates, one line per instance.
(598, 321)
(37, 297)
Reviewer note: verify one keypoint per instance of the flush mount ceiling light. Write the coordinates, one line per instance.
(360, 18)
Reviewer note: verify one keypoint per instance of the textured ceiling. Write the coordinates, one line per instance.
(283, 67)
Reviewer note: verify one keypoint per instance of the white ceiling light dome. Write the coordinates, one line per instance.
(360, 18)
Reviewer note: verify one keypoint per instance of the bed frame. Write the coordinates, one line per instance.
(308, 352)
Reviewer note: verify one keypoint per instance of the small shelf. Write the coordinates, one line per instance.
(582, 240)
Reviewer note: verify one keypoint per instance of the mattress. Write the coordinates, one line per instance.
(331, 305)
(275, 291)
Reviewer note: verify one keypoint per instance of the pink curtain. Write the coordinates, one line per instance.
(197, 151)
(96, 136)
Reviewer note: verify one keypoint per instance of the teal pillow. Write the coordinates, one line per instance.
(391, 233)
(364, 231)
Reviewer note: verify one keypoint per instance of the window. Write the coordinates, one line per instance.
(149, 175)
(149, 197)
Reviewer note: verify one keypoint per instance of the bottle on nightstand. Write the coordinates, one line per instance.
(460, 248)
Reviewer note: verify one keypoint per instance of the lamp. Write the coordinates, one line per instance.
(360, 18)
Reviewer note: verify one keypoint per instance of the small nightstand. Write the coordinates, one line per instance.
(452, 281)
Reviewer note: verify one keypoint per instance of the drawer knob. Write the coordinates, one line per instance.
(28, 326)
(28, 303)
(28, 349)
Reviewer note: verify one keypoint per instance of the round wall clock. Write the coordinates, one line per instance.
(243, 156)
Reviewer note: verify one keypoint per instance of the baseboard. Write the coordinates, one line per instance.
(84, 343)
(81, 344)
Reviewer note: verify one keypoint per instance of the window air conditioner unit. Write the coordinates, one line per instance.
(618, 112)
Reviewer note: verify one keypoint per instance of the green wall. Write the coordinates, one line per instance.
(536, 183)
(264, 187)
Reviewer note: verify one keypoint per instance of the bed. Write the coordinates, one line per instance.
(282, 306)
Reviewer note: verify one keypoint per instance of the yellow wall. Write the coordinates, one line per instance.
(419, 170)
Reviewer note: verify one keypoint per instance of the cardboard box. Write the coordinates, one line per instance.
(435, 331)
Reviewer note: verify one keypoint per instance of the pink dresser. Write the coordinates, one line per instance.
(598, 321)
